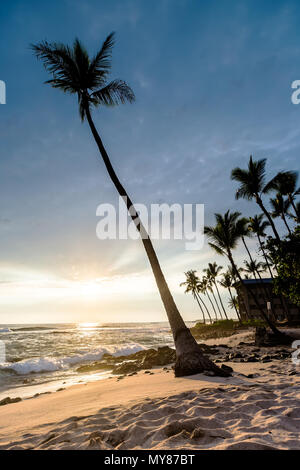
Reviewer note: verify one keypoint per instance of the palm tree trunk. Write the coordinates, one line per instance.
(282, 300)
(211, 303)
(233, 303)
(189, 357)
(265, 256)
(200, 306)
(291, 199)
(204, 304)
(216, 302)
(286, 224)
(261, 281)
(263, 314)
(259, 202)
(221, 300)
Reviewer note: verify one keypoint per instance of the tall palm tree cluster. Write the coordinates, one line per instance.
(231, 228)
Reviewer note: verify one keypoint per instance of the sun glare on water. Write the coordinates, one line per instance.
(87, 326)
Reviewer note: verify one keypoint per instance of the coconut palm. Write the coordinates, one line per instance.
(285, 183)
(191, 284)
(213, 272)
(252, 186)
(74, 72)
(280, 207)
(227, 283)
(224, 238)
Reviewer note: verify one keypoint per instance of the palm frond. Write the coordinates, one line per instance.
(116, 92)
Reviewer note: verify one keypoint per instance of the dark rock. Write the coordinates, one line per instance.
(127, 367)
(227, 368)
(252, 358)
(8, 400)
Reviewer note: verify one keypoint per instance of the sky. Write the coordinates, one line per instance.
(213, 85)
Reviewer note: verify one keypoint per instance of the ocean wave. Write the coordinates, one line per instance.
(53, 364)
(33, 328)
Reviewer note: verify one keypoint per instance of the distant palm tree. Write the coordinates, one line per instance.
(227, 283)
(252, 186)
(285, 183)
(213, 272)
(224, 237)
(202, 289)
(206, 284)
(74, 72)
(258, 225)
(254, 267)
(280, 207)
(191, 284)
(233, 303)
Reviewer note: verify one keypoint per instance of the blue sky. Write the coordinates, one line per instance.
(213, 85)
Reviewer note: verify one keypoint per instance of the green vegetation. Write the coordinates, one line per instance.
(222, 328)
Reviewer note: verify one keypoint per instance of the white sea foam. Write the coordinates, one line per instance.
(52, 364)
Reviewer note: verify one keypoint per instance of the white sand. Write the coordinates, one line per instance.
(161, 412)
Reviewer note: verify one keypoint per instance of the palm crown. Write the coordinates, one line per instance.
(227, 232)
(74, 72)
(258, 225)
(252, 180)
(279, 205)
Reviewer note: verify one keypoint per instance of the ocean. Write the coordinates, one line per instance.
(42, 358)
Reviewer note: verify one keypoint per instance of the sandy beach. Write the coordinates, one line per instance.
(257, 408)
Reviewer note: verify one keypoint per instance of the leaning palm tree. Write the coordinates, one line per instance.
(74, 72)
(224, 238)
(252, 186)
(191, 285)
(227, 283)
(280, 207)
(285, 183)
(213, 272)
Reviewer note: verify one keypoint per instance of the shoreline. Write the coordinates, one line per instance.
(82, 410)
(258, 407)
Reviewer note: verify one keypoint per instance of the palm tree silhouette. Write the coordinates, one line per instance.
(74, 72)
(258, 225)
(252, 185)
(227, 283)
(192, 286)
(208, 287)
(224, 238)
(254, 267)
(213, 272)
(280, 207)
(285, 183)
